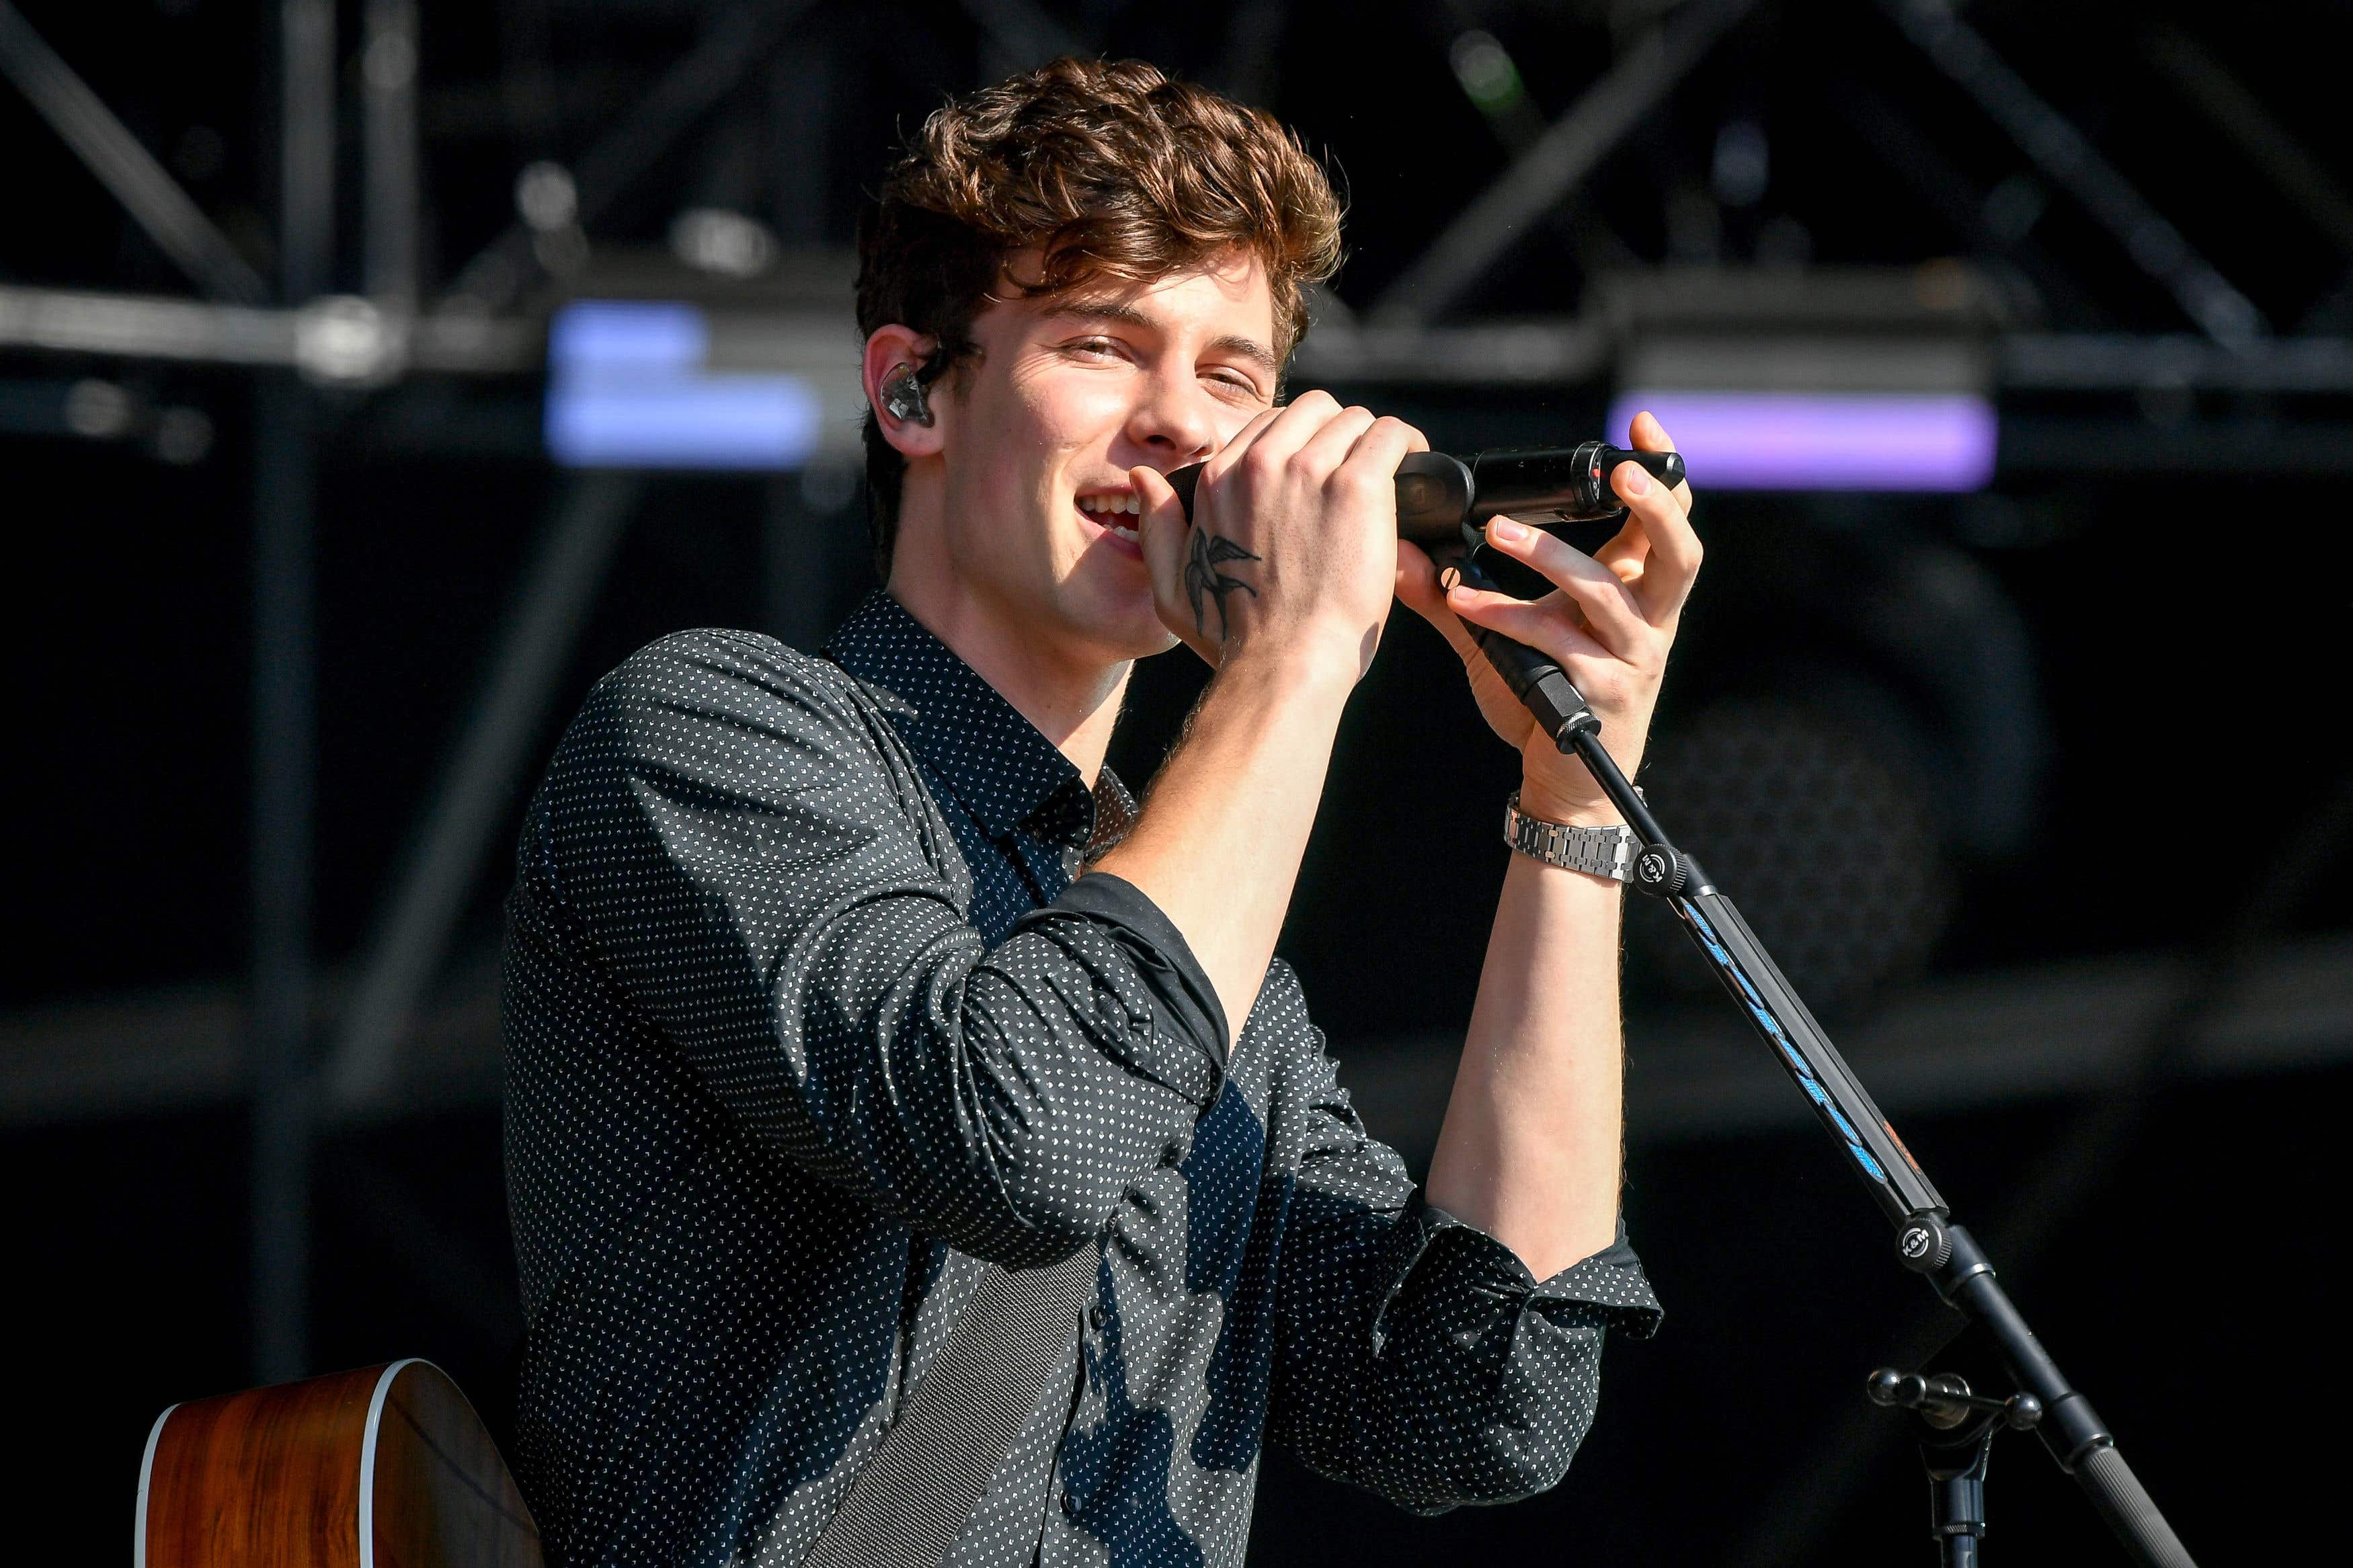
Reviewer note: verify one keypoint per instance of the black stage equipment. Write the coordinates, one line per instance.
(1572, 484)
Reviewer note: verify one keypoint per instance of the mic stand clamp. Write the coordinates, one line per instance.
(1536, 680)
(1956, 1430)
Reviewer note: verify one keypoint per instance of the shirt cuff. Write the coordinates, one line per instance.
(1607, 1290)
(1162, 957)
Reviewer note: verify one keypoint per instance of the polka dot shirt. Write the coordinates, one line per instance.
(807, 1021)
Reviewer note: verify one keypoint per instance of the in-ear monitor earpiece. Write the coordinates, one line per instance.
(904, 397)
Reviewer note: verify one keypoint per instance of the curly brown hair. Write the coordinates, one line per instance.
(1109, 168)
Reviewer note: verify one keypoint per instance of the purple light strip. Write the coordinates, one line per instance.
(1824, 441)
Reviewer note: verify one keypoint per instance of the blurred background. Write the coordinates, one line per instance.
(374, 375)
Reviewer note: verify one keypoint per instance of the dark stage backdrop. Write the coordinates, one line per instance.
(2181, 655)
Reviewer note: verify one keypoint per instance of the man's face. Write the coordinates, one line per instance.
(1067, 396)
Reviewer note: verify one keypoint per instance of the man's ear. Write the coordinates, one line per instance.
(889, 351)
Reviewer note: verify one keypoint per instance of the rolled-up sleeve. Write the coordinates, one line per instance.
(1417, 1355)
(745, 851)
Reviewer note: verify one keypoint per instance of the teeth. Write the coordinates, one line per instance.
(1111, 506)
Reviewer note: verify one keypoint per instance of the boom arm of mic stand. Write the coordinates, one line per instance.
(1926, 1243)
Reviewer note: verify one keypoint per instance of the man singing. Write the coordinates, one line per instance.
(841, 990)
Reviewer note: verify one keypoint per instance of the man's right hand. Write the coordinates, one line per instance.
(1284, 581)
(1292, 549)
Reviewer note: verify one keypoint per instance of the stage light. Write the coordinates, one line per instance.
(711, 239)
(545, 197)
(1824, 441)
(629, 388)
(1485, 71)
(99, 410)
(342, 340)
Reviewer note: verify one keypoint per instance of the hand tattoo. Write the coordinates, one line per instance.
(1202, 576)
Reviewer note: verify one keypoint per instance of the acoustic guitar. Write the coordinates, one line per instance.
(387, 1467)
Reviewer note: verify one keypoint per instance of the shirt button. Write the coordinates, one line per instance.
(1070, 1504)
(1095, 1316)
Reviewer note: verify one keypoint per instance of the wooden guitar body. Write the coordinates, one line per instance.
(387, 1467)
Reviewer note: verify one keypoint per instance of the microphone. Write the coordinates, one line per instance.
(1438, 495)
(1443, 501)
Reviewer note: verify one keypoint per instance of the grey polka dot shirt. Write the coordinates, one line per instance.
(807, 1021)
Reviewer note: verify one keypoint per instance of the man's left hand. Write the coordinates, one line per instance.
(1608, 624)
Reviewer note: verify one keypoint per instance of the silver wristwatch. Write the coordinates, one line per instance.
(1598, 851)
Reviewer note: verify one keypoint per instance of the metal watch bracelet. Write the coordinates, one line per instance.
(1597, 851)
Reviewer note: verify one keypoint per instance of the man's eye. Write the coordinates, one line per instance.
(1104, 346)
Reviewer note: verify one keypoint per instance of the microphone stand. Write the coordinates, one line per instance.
(1927, 1241)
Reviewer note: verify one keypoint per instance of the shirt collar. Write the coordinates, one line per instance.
(997, 764)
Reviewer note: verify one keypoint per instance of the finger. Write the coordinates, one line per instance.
(1368, 477)
(1675, 551)
(1161, 524)
(1382, 444)
(1616, 614)
(1227, 456)
(1625, 554)
(1538, 623)
(1329, 447)
(1417, 577)
(1293, 425)
(1649, 436)
(1419, 589)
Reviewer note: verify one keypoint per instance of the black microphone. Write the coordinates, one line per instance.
(1437, 495)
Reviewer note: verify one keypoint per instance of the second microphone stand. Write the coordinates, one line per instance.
(1927, 1241)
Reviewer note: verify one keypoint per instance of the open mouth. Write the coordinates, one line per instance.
(1114, 512)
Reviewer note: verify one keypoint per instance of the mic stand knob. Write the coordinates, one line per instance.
(1662, 870)
(1924, 1244)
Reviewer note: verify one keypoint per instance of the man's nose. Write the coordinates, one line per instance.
(1175, 420)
